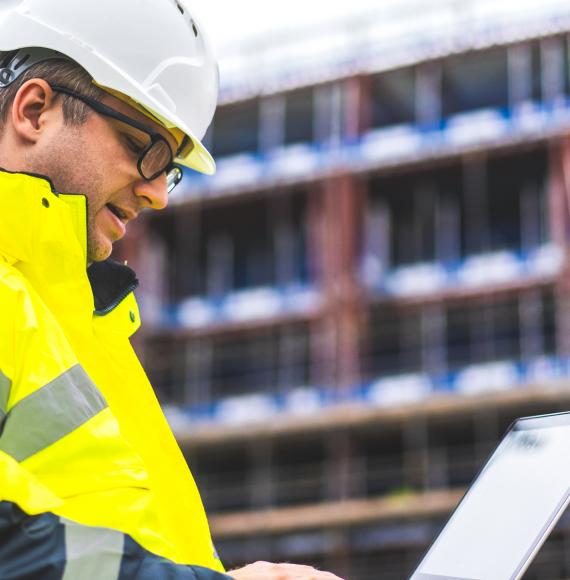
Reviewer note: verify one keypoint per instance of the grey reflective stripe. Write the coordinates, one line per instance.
(50, 413)
(5, 384)
(92, 553)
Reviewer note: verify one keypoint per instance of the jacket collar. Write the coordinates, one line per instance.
(36, 220)
(46, 230)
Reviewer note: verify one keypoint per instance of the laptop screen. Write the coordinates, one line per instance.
(509, 508)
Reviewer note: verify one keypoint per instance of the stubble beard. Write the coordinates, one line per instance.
(61, 166)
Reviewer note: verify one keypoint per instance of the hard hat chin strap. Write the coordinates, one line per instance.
(19, 61)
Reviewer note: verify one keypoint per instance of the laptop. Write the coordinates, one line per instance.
(510, 508)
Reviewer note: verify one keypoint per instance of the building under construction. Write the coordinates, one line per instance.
(343, 321)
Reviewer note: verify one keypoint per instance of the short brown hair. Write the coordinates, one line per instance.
(62, 72)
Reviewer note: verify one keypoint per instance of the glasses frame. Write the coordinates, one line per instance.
(155, 136)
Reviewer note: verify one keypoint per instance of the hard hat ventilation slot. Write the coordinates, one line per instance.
(187, 17)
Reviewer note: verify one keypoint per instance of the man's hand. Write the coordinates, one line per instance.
(269, 571)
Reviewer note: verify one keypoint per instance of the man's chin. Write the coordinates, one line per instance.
(98, 250)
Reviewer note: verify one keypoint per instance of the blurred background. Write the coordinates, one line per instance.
(344, 320)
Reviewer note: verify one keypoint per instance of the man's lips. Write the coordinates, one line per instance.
(117, 220)
(124, 214)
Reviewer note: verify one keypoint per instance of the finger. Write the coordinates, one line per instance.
(302, 572)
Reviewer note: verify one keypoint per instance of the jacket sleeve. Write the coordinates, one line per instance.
(49, 547)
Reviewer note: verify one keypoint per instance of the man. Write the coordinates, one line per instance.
(97, 102)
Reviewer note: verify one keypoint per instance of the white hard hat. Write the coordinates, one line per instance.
(152, 51)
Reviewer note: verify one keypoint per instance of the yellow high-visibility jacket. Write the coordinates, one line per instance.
(81, 432)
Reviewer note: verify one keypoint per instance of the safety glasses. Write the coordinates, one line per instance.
(155, 156)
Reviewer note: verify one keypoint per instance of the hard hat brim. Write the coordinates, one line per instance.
(198, 159)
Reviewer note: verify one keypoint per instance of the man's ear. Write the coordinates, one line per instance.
(33, 107)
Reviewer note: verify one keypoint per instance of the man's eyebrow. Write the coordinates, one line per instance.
(152, 124)
(155, 126)
(124, 129)
(134, 133)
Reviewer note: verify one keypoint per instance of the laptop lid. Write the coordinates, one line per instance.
(509, 509)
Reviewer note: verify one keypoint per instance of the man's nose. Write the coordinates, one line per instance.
(152, 194)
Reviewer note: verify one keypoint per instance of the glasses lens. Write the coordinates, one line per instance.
(156, 159)
(173, 178)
